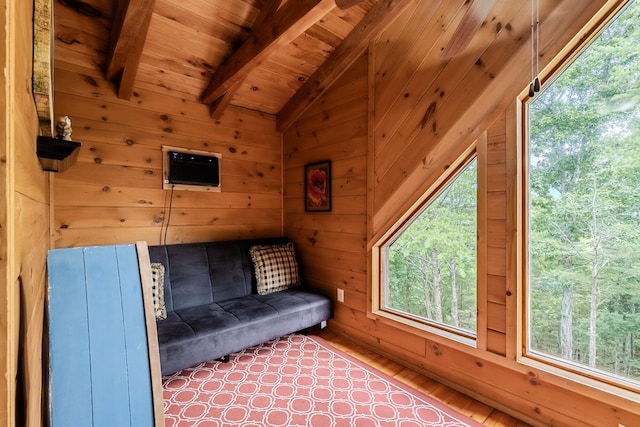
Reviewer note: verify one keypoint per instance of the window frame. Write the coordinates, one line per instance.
(476, 150)
(593, 378)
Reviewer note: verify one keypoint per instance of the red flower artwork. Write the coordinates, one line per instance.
(317, 187)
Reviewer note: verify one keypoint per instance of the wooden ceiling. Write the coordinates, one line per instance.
(272, 56)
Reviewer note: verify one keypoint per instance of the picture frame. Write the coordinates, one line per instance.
(317, 186)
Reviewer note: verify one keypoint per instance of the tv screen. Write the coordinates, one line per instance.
(193, 169)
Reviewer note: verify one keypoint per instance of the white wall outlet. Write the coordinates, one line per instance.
(323, 324)
(340, 295)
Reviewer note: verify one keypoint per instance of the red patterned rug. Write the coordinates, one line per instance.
(297, 380)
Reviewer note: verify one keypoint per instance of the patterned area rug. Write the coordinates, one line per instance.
(297, 380)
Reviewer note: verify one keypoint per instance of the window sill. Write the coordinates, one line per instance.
(615, 395)
(422, 329)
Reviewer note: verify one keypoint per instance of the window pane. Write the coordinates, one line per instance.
(431, 264)
(584, 207)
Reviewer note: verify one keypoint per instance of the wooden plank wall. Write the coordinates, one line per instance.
(24, 225)
(114, 192)
(332, 245)
(7, 299)
(422, 114)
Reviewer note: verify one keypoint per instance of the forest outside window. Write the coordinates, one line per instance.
(428, 266)
(583, 203)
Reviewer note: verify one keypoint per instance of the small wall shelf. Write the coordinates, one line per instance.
(56, 155)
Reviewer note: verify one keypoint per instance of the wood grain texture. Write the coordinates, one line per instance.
(351, 48)
(471, 21)
(23, 223)
(488, 372)
(421, 111)
(114, 193)
(128, 36)
(295, 17)
(146, 281)
(332, 245)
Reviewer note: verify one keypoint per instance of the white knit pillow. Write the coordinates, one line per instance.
(275, 266)
(157, 290)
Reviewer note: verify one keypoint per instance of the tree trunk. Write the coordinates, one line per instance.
(595, 259)
(454, 294)
(425, 284)
(593, 316)
(437, 294)
(628, 355)
(566, 324)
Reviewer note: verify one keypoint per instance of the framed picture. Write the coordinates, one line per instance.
(317, 187)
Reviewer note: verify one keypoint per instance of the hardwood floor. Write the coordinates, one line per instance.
(464, 404)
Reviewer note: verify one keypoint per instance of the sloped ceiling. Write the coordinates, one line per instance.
(272, 56)
(266, 55)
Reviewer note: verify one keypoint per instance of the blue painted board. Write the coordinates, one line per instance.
(135, 336)
(106, 338)
(99, 358)
(69, 366)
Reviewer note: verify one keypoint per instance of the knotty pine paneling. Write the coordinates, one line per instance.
(122, 155)
(496, 231)
(332, 245)
(425, 112)
(24, 225)
(434, 108)
(7, 297)
(114, 192)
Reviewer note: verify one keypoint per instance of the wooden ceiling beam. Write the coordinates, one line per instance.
(289, 22)
(128, 35)
(217, 107)
(354, 45)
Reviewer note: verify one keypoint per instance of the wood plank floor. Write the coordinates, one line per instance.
(464, 404)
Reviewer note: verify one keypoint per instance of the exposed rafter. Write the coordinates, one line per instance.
(128, 35)
(375, 21)
(217, 107)
(289, 22)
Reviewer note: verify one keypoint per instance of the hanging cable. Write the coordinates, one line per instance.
(166, 227)
(534, 87)
(536, 81)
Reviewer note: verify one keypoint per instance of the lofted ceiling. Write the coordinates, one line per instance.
(264, 55)
(272, 56)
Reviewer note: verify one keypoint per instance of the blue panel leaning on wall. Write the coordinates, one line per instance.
(98, 357)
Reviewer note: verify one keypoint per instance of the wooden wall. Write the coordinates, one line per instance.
(422, 113)
(24, 225)
(114, 193)
(332, 245)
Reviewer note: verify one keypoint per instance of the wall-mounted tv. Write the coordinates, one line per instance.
(193, 169)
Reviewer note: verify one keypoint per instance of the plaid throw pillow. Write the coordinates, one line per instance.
(276, 267)
(157, 290)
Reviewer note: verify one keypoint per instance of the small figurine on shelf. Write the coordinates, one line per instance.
(63, 128)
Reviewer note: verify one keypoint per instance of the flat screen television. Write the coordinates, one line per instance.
(193, 169)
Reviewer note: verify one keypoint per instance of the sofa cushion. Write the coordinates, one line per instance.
(197, 334)
(276, 267)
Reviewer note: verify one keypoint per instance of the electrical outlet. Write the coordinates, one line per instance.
(340, 295)
(323, 324)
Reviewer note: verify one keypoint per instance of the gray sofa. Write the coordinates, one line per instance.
(213, 308)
